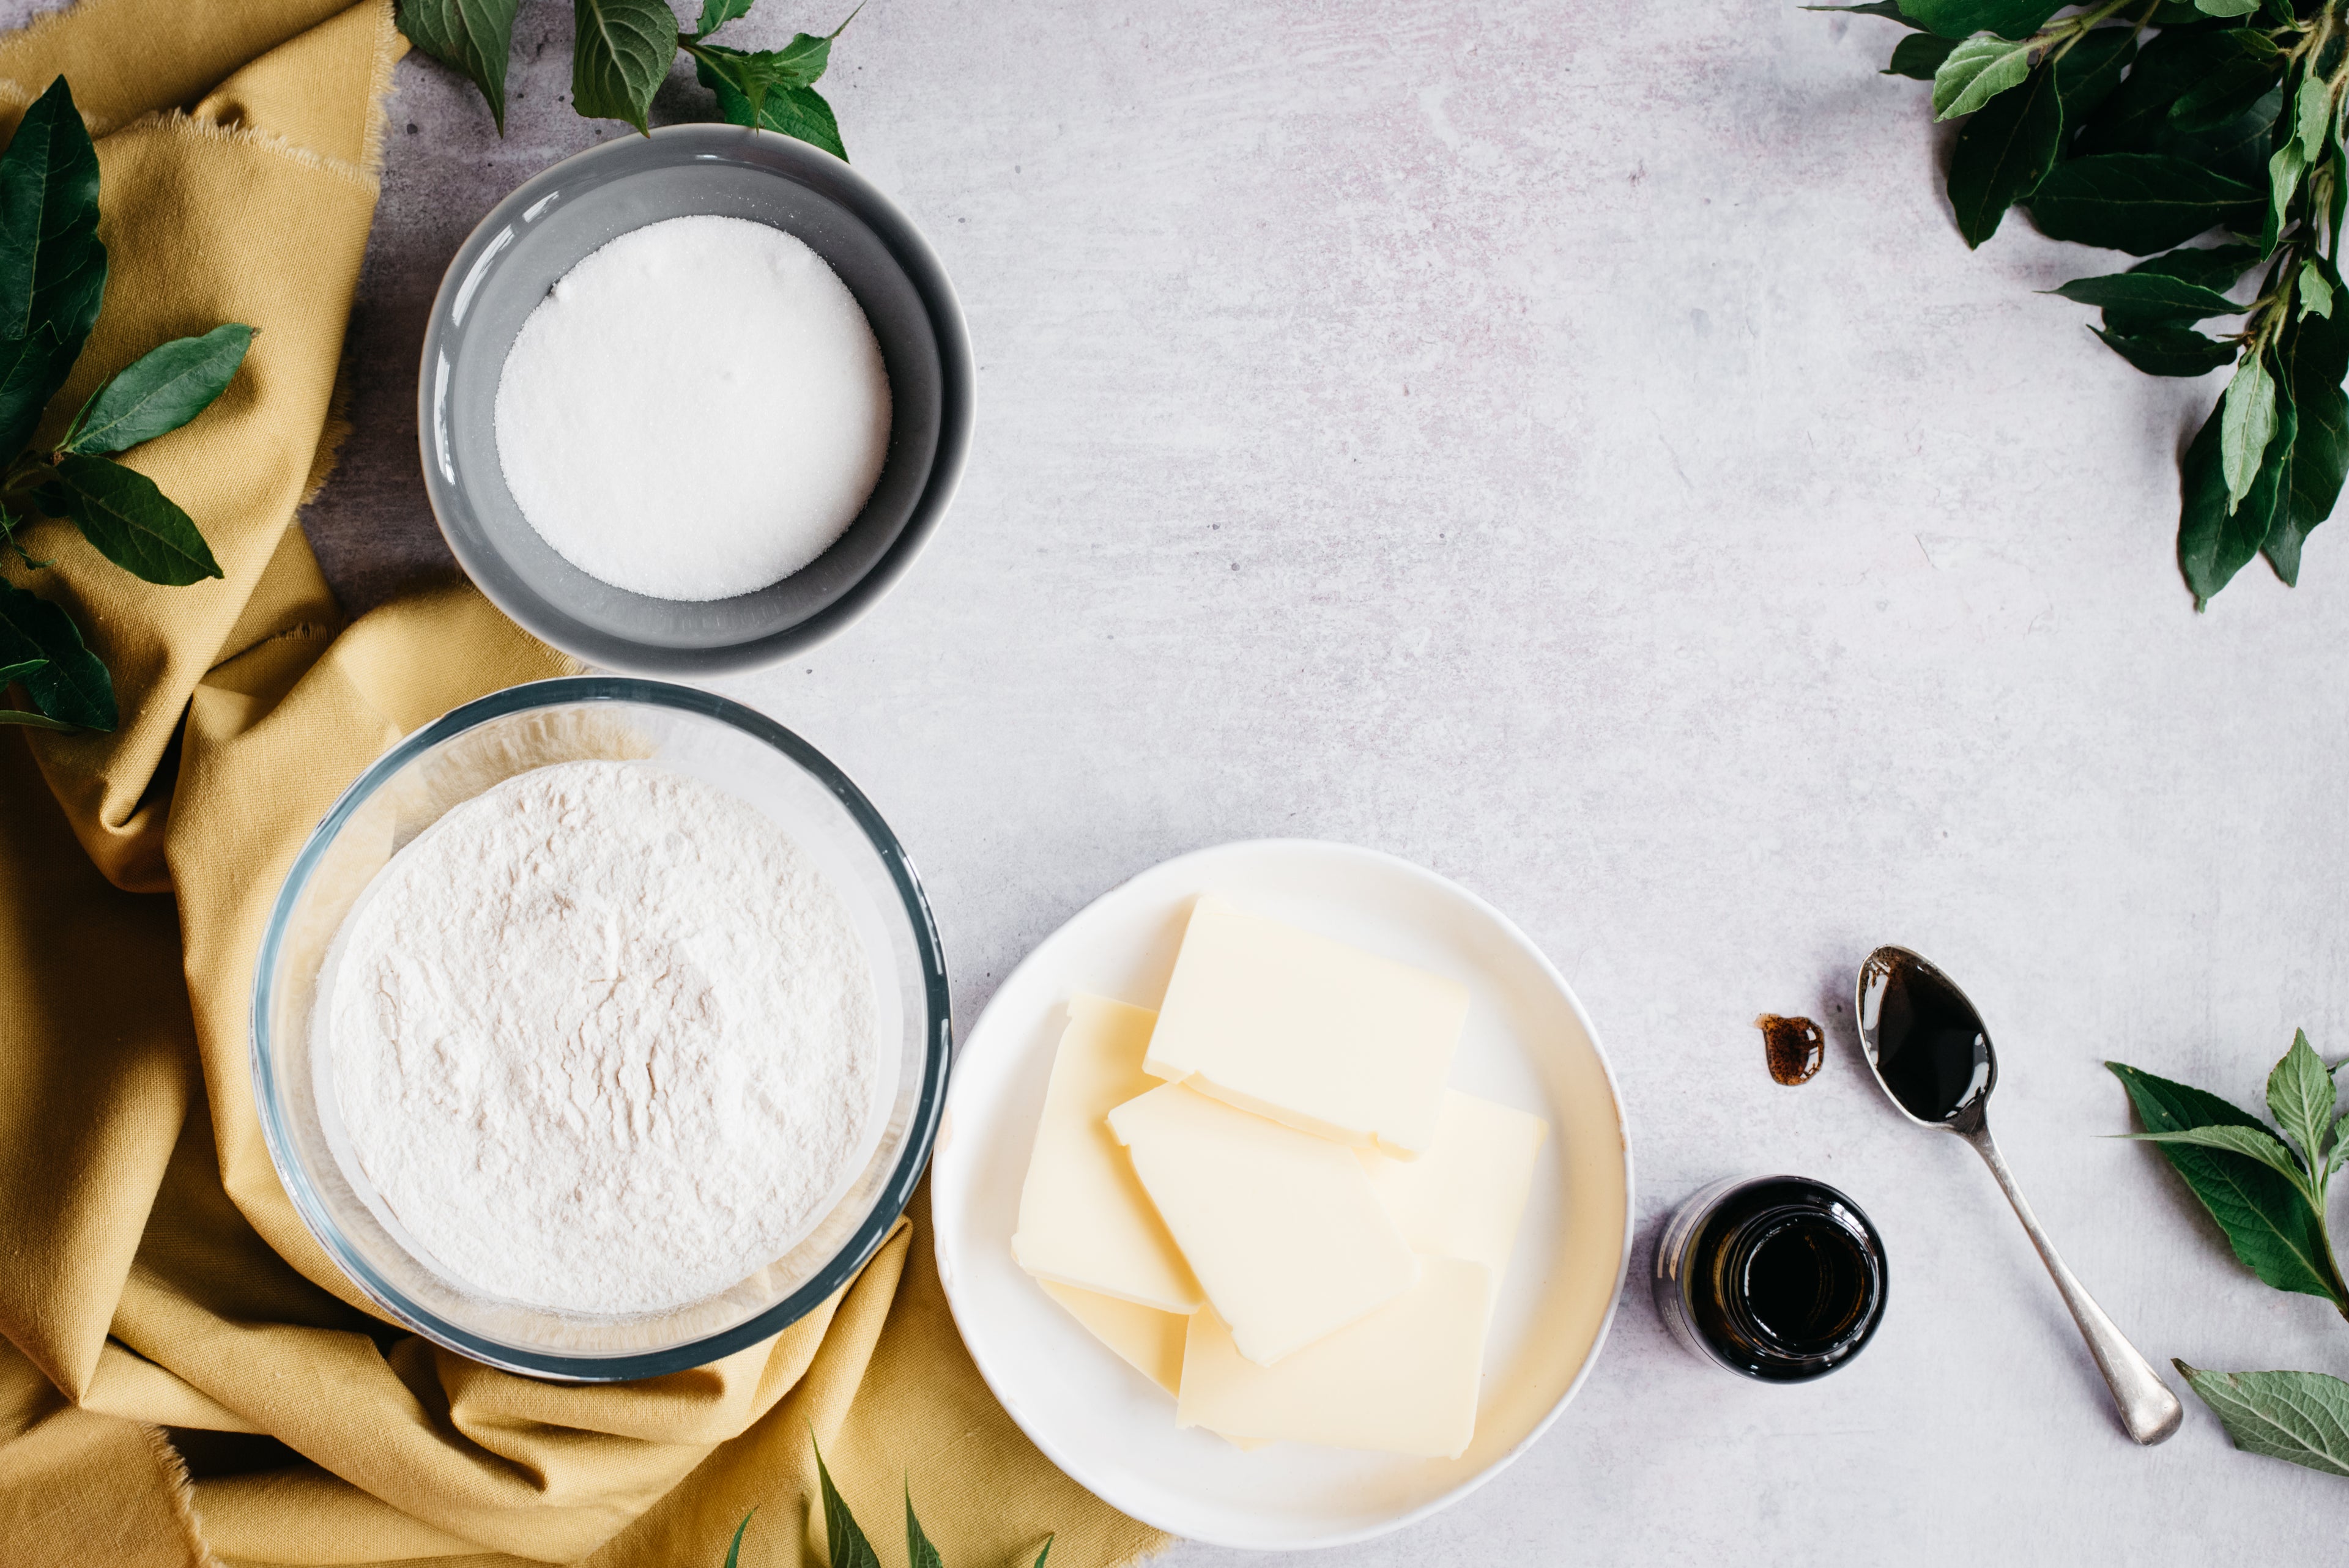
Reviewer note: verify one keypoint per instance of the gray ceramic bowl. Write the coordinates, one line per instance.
(537, 234)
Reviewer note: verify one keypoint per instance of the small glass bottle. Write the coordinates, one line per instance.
(1779, 1277)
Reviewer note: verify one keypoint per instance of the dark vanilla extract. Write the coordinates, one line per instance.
(1795, 1046)
(1780, 1278)
(1929, 1048)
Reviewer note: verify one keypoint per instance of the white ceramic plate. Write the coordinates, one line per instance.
(1528, 1044)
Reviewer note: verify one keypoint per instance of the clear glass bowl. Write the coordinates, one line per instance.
(450, 761)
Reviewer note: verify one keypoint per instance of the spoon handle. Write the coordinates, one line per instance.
(2147, 1408)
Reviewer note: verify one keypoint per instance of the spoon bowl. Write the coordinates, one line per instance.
(1932, 1056)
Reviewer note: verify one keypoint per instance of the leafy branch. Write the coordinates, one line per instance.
(2141, 125)
(847, 1542)
(52, 280)
(2266, 1187)
(621, 53)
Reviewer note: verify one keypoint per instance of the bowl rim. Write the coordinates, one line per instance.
(896, 1190)
(690, 143)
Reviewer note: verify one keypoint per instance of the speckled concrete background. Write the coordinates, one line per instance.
(1570, 447)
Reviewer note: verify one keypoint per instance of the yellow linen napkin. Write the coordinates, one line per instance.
(152, 1273)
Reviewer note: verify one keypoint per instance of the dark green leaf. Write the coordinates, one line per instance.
(2139, 203)
(2169, 350)
(1046, 1551)
(716, 14)
(1918, 56)
(2302, 1416)
(2300, 1098)
(159, 391)
(2087, 76)
(2216, 267)
(620, 53)
(2238, 149)
(919, 1553)
(71, 687)
(2251, 1142)
(52, 266)
(31, 371)
(2244, 66)
(734, 1550)
(1958, 18)
(133, 525)
(753, 76)
(798, 112)
(2150, 293)
(20, 669)
(32, 720)
(1976, 71)
(2314, 355)
(2002, 153)
(2170, 65)
(848, 1547)
(2265, 1218)
(472, 37)
(2215, 539)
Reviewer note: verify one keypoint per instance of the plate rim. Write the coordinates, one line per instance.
(1510, 929)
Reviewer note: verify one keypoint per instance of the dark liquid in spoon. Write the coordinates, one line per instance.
(1930, 1049)
(1787, 1279)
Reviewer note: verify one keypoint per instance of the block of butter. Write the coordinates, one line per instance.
(1403, 1380)
(1309, 1032)
(1084, 1220)
(1464, 1197)
(1282, 1229)
(1148, 1340)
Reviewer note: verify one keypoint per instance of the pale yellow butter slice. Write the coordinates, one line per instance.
(1309, 1032)
(1144, 1338)
(1403, 1380)
(1282, 1229)
(1084, 1220)
(1464, 1197)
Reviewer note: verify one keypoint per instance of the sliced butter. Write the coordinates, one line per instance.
(1148, 1340)
(1464, 1197)
(1084, 1220)
(1403, 1380)
(1282, 1229)
(1308, 1031)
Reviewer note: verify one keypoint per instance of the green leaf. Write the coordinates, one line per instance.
(1046, 1551)
(32, 720)
(2215, 540)
(52, 266)
(2216, 267)
(2265, 1218)
(31, 371)
(2302, 1416)
(799, 112)
(2002, 153)
(1918, 56)
(2314, 356)
(1957, 18)
(2088, 75)
(71, 687)
(159, 391)
(919, 1553)
(2247, 423)
(1978, 70)
(2226, 8)
(848, 1547)
(133, 525)
(2300, 1098)
(620, 53)
(19, 670)
(2169, 350)
(2244, 67)
(754, 77)
(2312, 117)
(2139, 202)
(2316, 294)
(716, 14)
(2251, 1142)
(2150, 293)
(2284, 170)
(2339, 1155)
(734, 1550)
(2169, 63)
(472, 37)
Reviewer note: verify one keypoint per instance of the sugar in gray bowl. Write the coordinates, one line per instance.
(536, 235)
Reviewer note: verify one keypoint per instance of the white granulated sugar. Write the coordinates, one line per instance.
(695, 410)
(602, 1039)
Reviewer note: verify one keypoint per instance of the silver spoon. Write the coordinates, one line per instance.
(1933, 1059)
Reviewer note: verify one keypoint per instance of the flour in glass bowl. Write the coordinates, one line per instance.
(602, 1039)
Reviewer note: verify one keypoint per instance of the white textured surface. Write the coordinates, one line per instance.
(1569, 446)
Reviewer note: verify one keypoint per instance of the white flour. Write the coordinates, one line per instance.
(603, 1039)
(694, 411)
